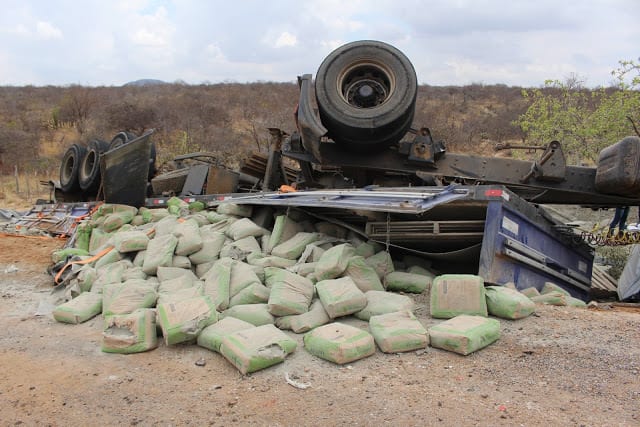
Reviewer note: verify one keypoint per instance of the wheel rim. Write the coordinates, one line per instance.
(89, 164)
(67, 170)
(366, 84)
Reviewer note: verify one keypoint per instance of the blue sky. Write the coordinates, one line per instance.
(450, 42)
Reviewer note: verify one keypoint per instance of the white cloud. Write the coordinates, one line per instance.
(286, 39)
(47, 31)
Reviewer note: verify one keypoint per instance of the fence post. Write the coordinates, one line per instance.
(15, 172)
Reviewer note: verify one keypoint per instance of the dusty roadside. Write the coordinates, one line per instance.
(562, 366)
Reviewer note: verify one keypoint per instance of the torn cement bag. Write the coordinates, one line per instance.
(234, 209)
(398, 332)
(159, 253)
(255, 293)
(300, 323)
(211, 336)
(381, 263)
(339, 343)
(256, 314)
(189, 239)
(340, 297)
(552, 287)
(464, 334)
(293, 248)
(242, 276)
(454, 294)
(239, 249)
(130, 333)
(363, 275)
(508, 303)
(251, 350)
(211, 246)
(180, 261)
(130, 241)
(530, 292)
(551, 298)
(244, 228)
(216, 284)
(127, 297)
(399, 281)
(180, 295)
(80, 309)
(290, 292)
(284, 229)
(381, 302)
(183, 320)
(334, 261)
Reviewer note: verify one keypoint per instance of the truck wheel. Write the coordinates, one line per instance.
(69, 168)
(89, 172)
(366, 93)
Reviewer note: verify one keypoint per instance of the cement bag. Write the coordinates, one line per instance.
(235, 210)
(330, 229)
(416, 269)
(108, 258)
(134, 273)
(575, 302)
(83, 235)
(340, 297)
(304, 269)
(300, 323)
(189, 239)
(174, 285)
(111, 273)
(530, 292)
(508, 303)
(116, 220)
(334, 262)
(251, 350)
(406, 282)
(180, 261)
(551, 298)
(130, 333)
(284, 229)
(365, 249)
(381, 263)
(166, 225)
(244, 228)
(159, 253)
(290, 293)
(203, 269)
(86, 277)
(216, 284)
(256, 314)
(552, 287)
(130, 241)
(293, 248)
(363, 275)
(261, 260)
(239, 249)
(242, 276)
(200, 218)
(339, 343)
(182, 321)
(454, 294)
(138, 260)
(80, 309)
(255, 293)
(98, 239)
(127, 297)
(380, 302)
(464, 334)
(180, 295)
(398, 332)
(63, 254)
(211, 246)
(155, 214)
(211, 336)
(168, 273)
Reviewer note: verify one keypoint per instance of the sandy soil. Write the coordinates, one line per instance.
(561, 366)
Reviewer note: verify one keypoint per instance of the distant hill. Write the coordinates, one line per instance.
(145, 82)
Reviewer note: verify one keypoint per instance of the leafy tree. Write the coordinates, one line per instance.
(584, 121)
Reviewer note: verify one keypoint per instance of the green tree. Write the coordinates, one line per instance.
(584, 121)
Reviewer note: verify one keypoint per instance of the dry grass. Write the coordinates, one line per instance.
(23, 191)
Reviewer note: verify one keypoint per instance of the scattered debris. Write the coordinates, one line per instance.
(294, 383)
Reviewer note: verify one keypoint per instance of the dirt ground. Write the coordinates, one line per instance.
(561, 366)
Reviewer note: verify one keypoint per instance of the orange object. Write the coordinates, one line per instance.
(84, 261)
(287, 189)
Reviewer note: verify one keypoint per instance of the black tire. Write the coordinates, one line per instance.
(89, 172)
(366, 93)
(69, 168)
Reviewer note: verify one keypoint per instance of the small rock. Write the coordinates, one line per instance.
(201, 362)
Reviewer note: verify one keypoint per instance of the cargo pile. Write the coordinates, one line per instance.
(234, 279)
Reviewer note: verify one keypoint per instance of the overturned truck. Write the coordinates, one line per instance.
(362, 164)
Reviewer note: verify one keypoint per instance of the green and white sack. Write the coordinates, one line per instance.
(398, 332)
(169, 273)
(255, 293)
(242, 276)
(464, 334)
(339, 343)
(256, 314)
(290, 293)
(381, 263)
(216, 284)
(130, 333)
(159, 253)
(508, 303)
(399, 281)
(293, 248)
(80, 309)
(244, 228)
(363, 275)
(300, 323)
(251, 350)
(180, 295)
(530, 292)
(211, 246)
(381, 302)
(340, 297)
(284, 228)
(189, 239)
(334, 262)
(551, 298)
(211, 336)
(130, 241)
(552, 287)
(183, 320)
(455, 294)
(234, 209)
(127, 297)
